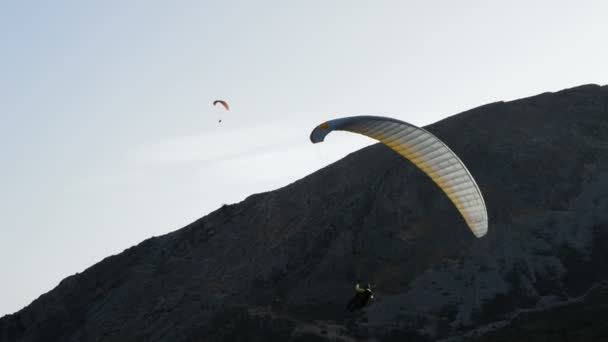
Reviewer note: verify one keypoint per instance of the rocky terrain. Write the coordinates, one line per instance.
(281, 265)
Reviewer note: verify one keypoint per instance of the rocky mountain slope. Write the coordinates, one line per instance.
(281, 265)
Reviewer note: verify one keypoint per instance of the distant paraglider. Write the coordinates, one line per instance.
(224, 104)
(425, 151)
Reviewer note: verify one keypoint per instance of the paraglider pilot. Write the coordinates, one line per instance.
(363, 297)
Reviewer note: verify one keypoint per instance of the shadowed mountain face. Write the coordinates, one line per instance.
(282, 265)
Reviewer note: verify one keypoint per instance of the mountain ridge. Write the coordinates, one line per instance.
(281, 264)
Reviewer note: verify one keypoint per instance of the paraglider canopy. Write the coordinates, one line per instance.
(425, 151)
(223, 103)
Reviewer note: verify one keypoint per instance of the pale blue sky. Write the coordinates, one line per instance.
(108, 135)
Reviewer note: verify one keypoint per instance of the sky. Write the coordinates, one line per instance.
(108, 136)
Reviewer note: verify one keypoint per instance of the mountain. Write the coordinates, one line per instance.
(281, 265)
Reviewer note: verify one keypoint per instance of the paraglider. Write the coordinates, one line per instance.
(429, 154)
(224, 104)
(425, 151)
